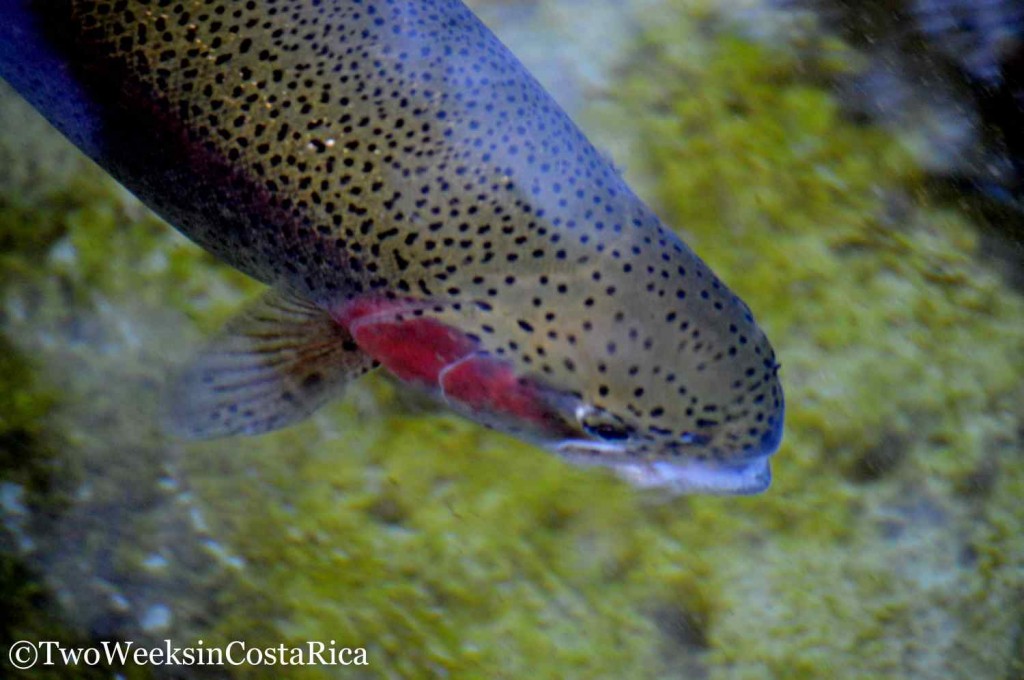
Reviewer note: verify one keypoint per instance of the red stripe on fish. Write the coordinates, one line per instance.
(413, 348)
(485, 383)
(431, 354)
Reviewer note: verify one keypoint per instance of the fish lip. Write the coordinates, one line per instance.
(693, 476)
(588, 449)
(677, 476)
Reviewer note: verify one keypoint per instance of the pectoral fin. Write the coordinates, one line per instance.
(272, 365)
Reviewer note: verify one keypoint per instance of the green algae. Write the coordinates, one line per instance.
(888, 545)
(36, 484)
(81, 465)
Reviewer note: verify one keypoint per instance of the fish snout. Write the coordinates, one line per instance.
(744, 441)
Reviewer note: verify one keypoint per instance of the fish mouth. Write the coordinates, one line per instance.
(697, 476)
(679, 476)
(591, 451)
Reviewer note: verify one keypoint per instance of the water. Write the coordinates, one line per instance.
(872, 246)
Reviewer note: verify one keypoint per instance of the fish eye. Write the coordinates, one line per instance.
(602, 425)
(607, 431)
(694, 438)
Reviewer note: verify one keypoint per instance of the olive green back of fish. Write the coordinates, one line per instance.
(389, 143)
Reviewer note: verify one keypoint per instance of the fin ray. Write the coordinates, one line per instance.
(274, 364)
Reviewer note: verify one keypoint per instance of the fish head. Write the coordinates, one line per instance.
(674, 387)
(646, 362)
(680, 387)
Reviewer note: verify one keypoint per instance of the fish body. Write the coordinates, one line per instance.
(416, 200)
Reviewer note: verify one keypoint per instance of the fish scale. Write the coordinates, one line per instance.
(394, 164)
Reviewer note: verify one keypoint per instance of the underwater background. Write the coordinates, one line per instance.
(846, 179)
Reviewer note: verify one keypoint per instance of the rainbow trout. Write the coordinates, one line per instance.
(415, 200)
